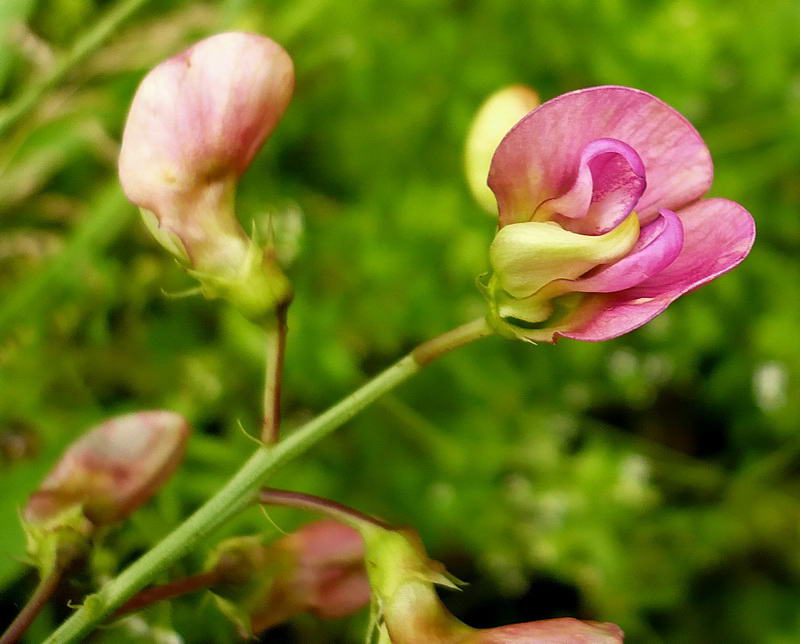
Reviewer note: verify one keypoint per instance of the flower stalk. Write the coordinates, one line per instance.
(242, 489)
(171, 590)
(44, 590)
(332, 509)
(273, 375)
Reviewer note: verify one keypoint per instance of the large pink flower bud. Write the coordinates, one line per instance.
(195, 124)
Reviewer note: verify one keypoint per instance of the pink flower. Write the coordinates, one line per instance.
(195, 124)
(601, 218)
(112, 469)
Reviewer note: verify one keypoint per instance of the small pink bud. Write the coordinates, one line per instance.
(194, 126)
(318, 569)
(111, 470)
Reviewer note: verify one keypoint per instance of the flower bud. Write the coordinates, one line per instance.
(195, 124)
(101, 478)
(498, 114)
(317, 569)
(112, 469)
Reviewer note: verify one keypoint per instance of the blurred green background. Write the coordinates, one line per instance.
(652, 480)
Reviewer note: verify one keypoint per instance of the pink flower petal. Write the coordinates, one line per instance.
(565, 630)
(609, 182)
(539, 158)
(200, 117)
(718, 235)
(660, 242)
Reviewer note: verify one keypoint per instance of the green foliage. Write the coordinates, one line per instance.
(651, 480)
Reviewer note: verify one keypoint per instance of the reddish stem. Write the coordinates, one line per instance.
(171, 590)
(276, 348)
(37, 601)
(338, 511)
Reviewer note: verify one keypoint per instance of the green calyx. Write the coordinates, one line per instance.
(402, 577)
(397, 556)
(56, 542)
(227, 263)
(257, 289)
(520, 319)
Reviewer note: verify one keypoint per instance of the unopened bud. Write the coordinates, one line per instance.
(318, 569)
(498, 114)
(102, 477)
(194, 126)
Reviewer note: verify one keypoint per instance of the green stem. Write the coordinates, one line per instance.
(242, 489)
(82, 48)
(441, 344)
(37, 601)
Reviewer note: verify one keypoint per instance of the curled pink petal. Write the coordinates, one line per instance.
(718, 235)
(660, 242)
(537, 159)
(609, 181)
(566, 630)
